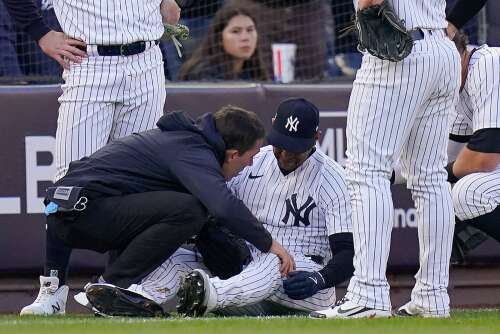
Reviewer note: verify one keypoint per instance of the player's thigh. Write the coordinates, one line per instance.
(476, 194)
(322, 299)
(382, 109)
(424, 152)
(144, 104)
(83, 127)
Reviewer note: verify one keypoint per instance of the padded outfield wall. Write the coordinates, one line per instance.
(28, 117)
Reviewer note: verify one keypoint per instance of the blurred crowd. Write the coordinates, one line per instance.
(231, 40)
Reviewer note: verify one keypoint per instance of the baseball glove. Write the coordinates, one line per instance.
(381, 32)
(223, 253)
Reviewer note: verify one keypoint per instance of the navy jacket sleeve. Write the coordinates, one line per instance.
(200, 173)
(27, 16)
(463, 11)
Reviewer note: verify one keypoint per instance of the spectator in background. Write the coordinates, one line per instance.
(230, 50)
(302, 22)
(196, 15)
(9, 66)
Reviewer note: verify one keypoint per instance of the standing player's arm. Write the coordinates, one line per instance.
(366, 3)
(170, 12)
(56, 45)
(461, 13)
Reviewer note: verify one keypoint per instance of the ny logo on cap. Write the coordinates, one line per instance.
(292, 123)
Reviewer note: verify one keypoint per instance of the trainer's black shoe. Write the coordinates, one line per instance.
(115, 301)
(196, 295)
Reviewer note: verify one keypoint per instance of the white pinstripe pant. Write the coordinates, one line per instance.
(105, 98)
(402, 110)
(476, 194)
(260, 280)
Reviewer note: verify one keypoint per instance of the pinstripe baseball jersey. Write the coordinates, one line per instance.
(477, 194)
(110, 22)
(479, 104)
(300, 209)
(428, 14)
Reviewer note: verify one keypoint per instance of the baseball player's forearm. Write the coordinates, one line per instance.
(469, 162)
(200, 174)
(340, 267)
(463, 11)
(27, 16)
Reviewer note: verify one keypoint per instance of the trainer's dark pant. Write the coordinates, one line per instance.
(142, 230)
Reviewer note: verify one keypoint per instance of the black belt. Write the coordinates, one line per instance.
(418, 33)
(123, 49)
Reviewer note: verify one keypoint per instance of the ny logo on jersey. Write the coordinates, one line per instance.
(292, 208)
(292, 123)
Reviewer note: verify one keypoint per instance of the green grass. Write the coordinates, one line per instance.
(475, 322)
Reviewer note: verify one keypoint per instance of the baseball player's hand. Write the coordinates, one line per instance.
(303, 284)
(366, 3)
(170, 12)
(62, 48)
(287, 261)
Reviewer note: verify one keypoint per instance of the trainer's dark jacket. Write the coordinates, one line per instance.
(179, 155)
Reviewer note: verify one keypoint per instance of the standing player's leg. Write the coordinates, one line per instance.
(83, 126)
(423, 159)
(144, 94)
(384, 104)
(476, 199)
(381, 111)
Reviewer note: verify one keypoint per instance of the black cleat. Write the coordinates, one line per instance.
(115, 301)
(192, 296)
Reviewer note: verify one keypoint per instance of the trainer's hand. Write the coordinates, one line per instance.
(303, 284)
(170, 12)
(287, 261)
(62, 48)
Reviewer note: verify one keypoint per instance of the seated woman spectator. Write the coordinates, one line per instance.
(230, 50)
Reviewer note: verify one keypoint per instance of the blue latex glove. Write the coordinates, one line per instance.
(303, 284)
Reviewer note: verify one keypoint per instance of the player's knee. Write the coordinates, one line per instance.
(463, 198)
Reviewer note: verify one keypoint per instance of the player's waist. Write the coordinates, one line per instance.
(128, 49)
(421, 33)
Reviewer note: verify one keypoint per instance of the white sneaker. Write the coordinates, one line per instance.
(51, 299)
(412, 310)
(346, 309)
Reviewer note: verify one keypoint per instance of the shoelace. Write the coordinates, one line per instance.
(340, 302)
(44, 294)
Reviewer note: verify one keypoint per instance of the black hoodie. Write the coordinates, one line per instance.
(180, 155)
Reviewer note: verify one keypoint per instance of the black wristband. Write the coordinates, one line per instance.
(452, 178)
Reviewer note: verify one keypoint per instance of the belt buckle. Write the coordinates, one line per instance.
(123, 49)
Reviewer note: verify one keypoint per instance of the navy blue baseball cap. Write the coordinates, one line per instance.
(295, 125)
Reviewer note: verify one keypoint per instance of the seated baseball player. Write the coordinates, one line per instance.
(301, 197)
(144, 195)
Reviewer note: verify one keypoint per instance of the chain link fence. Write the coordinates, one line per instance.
(311, 25)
